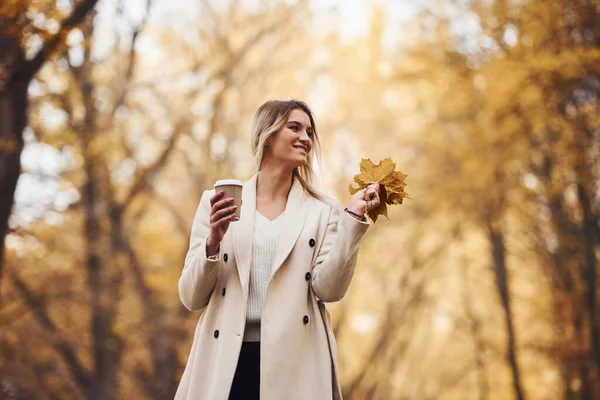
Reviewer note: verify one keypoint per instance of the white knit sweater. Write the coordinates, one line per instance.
(263, 255)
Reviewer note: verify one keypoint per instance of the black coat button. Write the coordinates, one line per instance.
(223, 292)
(305, 319)
(225, 257)
(311, 242)
(216, 333)
(307, 276)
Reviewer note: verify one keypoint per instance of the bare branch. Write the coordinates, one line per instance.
(131, 63)
(395, 313)
(37, 306)
(52, 44)
(144, 177)
(181, 223)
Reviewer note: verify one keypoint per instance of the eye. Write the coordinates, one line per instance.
(294, 128)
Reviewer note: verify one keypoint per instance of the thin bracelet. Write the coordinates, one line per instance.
(362, 217)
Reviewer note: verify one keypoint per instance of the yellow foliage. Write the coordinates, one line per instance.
(391, 184)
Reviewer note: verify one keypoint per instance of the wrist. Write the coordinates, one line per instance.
(212, 247)
(356, 211)
(356, 215)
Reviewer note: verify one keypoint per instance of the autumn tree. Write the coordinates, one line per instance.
(17, 69)
(141, 145)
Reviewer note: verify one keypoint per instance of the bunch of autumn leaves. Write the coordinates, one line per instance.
(391, 184)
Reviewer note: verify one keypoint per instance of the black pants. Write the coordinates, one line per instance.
(246, 382)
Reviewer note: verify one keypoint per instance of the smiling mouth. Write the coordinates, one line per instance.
(301, 148)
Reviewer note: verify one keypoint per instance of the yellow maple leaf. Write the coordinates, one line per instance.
(391, 184)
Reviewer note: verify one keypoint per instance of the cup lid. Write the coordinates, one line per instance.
(224, 182)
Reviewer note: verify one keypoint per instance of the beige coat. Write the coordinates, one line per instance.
(314, 262)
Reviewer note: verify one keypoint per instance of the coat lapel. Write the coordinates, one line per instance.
(291, 225)
(243, 232)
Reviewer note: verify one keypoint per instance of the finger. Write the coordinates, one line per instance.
(216, 197)
(222, 204)
(360, 194)
(224, 222)
(369, 194)
(374, 197)
(225, 212)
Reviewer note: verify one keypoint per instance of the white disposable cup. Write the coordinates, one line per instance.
(233, 190)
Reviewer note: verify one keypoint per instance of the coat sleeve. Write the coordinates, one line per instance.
(336, 260)
(199, 275)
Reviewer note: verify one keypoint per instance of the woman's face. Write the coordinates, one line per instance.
(293, 142)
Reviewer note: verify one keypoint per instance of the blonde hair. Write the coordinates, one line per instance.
(268, 120)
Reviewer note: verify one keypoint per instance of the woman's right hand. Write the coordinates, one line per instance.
(221, 214)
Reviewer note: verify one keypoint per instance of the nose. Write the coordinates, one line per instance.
(304, 138)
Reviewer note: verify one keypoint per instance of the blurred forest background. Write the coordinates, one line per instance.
(115, 115)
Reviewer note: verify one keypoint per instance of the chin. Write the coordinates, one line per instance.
(298, 164)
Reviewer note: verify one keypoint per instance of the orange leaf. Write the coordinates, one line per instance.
(391, 184)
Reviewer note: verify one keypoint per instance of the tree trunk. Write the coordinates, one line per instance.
(13, 107)
(496, 239)
(103, 264)
(589, 238)
(590, 276)
(15, 75)
(474, 328)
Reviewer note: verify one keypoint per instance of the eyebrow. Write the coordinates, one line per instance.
(300, 123)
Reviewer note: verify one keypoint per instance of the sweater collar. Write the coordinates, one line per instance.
(292, 222)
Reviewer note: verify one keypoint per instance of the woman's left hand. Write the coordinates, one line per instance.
(365, 200)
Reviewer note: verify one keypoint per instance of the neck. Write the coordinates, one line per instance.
(273, 183)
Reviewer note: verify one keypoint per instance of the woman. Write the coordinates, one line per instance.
(264, 331)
